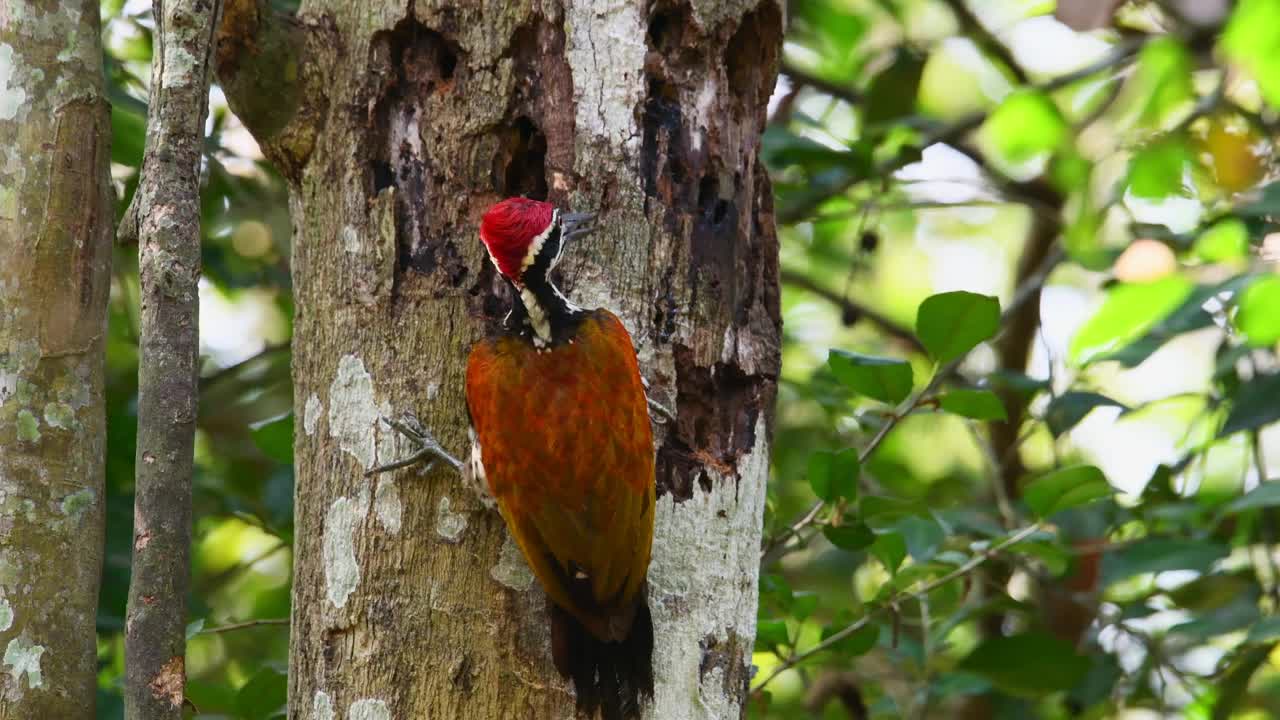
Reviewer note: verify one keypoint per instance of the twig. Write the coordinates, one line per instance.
(950, 133)
(1020, 296)
(968, 567)
(835, 90)
(243, 625)
(985, 39)
(853, 308)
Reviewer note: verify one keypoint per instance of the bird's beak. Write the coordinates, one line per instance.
(575, 225)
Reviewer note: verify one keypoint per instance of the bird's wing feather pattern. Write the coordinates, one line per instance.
(568, 454)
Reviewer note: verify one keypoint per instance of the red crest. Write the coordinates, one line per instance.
(509, 227)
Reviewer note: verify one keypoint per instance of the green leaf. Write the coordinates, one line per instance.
(128, 136)
(1267, 494)
(274, 437)
(1265, 631)
(976, 404)
(1031, 664)
(1224, 240)
(923, 537)
(858, 643)
(1156, 170)
(1254, 405)
(1233, 682)
(1258, 313)
(1068, 409)
(890, 549)
(805, 603)
(892, 94)
(884, 379)
(1129, 311)
(1189, 315)
(1066, 488)
(1155, 555)
(782, 148)
(264, 696)
(1024, 125)
(851, 537)
(953, 323)
(1252, 40)
(194, 627)
(1164, 72)
(834, 475)
(771, 634)
(1268, 202)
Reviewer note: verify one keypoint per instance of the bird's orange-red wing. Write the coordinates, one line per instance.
(568, 454)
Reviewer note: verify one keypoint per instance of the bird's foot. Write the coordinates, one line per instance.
(428, 449)
(665, 414)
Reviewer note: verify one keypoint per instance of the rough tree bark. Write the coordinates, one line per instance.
(56, 210)
(165, 216)
(397, 122)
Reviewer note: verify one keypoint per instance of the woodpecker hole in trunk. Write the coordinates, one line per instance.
(411, 63)
(521, 163)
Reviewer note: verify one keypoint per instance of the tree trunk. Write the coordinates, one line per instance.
(397, 124)
(165, 215)
(56, 211)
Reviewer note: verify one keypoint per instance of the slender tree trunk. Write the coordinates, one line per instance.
(165, 214)
(56, 211)
(406, 120)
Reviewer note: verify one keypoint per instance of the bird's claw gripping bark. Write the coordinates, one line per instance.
(664, 413)
(428, 448)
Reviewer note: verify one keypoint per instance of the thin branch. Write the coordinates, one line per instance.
(217, 375)
(970, 23)
(854, 309)
(968, 567)
(835, 90)
(950, 133)
(1030, 288)
(243, 625)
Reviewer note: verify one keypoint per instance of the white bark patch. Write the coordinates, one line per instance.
(12, 96)
(511, 570)
(701, 112)
(449, 524)
(606, 51)
(703, 583)
(386, 504)
(353, 414)
(23, 658)
(179, 67)
(369, 710)
(321, 706)
(341, 570)
(6, 615)
(311, 414)
(350, 239)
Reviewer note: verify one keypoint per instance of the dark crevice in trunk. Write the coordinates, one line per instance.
(413, 62)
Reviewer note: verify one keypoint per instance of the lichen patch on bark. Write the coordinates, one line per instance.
(22, 657)
(386, 504)
(311, 415)
(512, 571)
(321, 706)
(341, 566)
(449, 524)
(353, 413)
(369, 709)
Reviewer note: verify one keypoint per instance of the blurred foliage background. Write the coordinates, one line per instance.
(1030, 383)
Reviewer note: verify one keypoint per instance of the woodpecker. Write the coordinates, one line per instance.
(561, 439)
